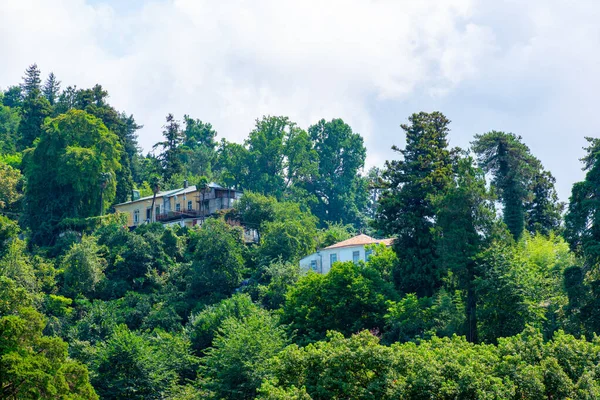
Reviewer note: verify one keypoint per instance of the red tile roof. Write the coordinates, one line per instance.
(360, 240)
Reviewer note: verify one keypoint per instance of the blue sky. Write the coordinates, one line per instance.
(526, 67)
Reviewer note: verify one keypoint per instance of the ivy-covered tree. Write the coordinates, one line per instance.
(63, 173)
(525, 189)
(406, 206)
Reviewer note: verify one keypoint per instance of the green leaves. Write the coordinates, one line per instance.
(64, 172)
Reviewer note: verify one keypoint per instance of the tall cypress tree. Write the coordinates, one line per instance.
(406, 207)
(526, 191)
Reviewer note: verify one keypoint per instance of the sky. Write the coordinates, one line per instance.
(528, 67)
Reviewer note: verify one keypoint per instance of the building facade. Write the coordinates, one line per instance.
(187, 206)
(353, 249)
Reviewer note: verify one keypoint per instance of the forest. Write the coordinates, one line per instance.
(491, 289)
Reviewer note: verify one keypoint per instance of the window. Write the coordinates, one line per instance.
(136, 217)
(178, 207)
(355, 256)
(190, 205)
(157, 210)
(313, 265)
(368, 254)
(332, 258)
(148, 213)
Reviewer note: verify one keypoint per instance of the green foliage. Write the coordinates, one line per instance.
(334, 233)
(9, 124)
(33, 366)
(129, 366)
(525, 189)
(340, 191)
(217, 260)
(415, 318)
(274, 280)
(290, 236)
(406, 207)
(521, 367)
(83, 267)
(10, 179)
(239, 359)
(203, 326)
(63, 173)
(348, 299)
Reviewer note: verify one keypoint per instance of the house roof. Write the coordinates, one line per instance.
(359, 240)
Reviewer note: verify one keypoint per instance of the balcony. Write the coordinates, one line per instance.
(173, 215)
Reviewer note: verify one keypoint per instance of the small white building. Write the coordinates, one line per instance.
(352, 249)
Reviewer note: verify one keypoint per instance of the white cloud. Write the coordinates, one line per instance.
(516, 64)
(232, 62)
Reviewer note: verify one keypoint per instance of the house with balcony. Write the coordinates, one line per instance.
(353, 249)
(187, 206)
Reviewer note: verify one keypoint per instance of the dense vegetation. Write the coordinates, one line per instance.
(490, 290)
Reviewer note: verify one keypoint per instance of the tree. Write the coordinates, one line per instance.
(340, 191)
(128, 366)
(520, 181)
(465, 225)
(582, 232)
(255, 209)
(34, 109)
(582, 221)
(34, 366)
(63, 172)
(217, 262)
(9, 182)
(171, 148)
(51, 89)
(198, 146)
(238, 361)
(204, 326)
(347, 299)
(290, 236)
(155, 183)
(9, 125)
(544, 211)
(406, 208)
(83, 267)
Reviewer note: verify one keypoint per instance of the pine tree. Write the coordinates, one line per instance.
(34, 109)
(406, 207)
(170, 157)
(31, 81)
(51, 89)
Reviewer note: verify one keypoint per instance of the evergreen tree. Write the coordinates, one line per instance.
(465, 220)
(544, 211)
(406, 208)
(525, 189)
(171, 148)
(582, 221)
(51, 89)
(34, 109)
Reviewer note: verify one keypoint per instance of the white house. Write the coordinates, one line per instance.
(352, 249)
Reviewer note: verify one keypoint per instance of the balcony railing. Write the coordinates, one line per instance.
(173, 215)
